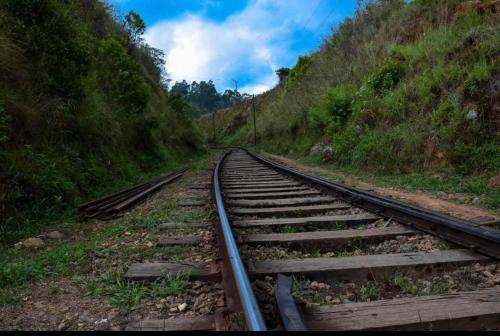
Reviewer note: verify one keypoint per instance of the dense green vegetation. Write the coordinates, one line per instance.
(402, 87)
(83, 109)
(203, 96)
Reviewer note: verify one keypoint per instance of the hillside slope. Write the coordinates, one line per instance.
(400, 87)
(82, 109)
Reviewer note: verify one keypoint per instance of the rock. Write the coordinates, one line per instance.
(494, 181)
(316, 149)
(102, 324)
(63, 326)
(318, 285)
(350, 295)
(159, 305)
(182, 307)
(173, 310)
(220, 302)
(84, 316)
(262, 285)
(32, 243)
(491, 267)
(488, 274)
(149, 244)
(18, 246)
(56, 235)
(327, 154)
(472, 115)
(204, 310)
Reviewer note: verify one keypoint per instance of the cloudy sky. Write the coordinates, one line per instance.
(243, 40)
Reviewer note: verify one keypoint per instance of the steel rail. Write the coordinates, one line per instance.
(109, 205)
(253, 315)
(462, 232)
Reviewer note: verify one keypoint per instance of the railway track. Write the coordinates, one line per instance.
(304, 253)
(111, 206)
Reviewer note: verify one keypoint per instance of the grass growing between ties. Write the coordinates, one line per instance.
(125, 295)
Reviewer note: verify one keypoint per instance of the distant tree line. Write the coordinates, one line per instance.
(204, 98)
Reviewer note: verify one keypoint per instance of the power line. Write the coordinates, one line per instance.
(312, 14)
(326, 18)
(318, 29)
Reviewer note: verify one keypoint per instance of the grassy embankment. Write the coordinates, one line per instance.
(405, 91)
(83, 111)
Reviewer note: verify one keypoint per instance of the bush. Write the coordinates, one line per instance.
(334, 109)
(121, 76)
(298, 71)
(83, 110)
(473, 159)
(49, 29)
(387, 77)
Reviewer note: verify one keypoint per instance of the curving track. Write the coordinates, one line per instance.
(277, 222)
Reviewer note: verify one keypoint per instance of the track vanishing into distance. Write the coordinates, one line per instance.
(280, 228)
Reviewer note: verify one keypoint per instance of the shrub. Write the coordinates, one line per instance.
(470, 159)
(83, 110)
(121, 76)
(387, 76)
(50, 30)
(334, 109)
(298, 71)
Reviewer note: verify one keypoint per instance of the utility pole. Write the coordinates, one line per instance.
(254, 124)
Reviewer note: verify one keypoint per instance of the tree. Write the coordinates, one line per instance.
(283, 74)
(181, 88)
(203, 96)
(135, 26)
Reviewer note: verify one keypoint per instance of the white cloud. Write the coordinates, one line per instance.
(254, 42)
(262, 84)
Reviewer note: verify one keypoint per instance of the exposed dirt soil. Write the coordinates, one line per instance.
(420, 198)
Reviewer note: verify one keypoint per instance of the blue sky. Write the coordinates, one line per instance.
(246, 40)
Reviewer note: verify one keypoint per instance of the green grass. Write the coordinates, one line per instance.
(438, 288)
(8, 297)
(91, 123)
(404, 283)
(473, 186)
(288, 229)
(169, 284)
(371, 291)
(76, 258)
(125, 294)
(395, 103)
(489, 196)
(72, 258)
(300, 290)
